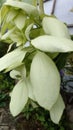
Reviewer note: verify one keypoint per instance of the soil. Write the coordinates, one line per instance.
(7, 122)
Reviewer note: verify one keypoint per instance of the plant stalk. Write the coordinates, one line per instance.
(41, 6)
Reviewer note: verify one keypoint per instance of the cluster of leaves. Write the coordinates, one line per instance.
(43, 117)
(38, 40)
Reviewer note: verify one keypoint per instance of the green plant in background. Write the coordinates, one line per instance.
(6, 86)
(38, 39)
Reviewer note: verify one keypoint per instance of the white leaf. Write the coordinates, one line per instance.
(30, 89)
(20, 20)
(55, 27)
(57, 110)
(12, 59)
(11, 15)
(45, 80)
(52, 44)
(29, 9)
(19, 97)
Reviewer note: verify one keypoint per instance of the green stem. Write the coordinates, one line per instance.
(41, 6)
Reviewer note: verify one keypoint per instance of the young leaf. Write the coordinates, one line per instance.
(29, 9)
(7, 34)
(32, 2)
(27, 31)
(13, 58)
(19, 97)
(52, 44)
(19, 72)
(11, 15)
(55, 27)
(18, 37)
(4, 12)
(45, 80)
(57, 110)
(20, 20)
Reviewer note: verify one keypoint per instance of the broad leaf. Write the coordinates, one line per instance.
(55, 27)
(13, 58)
(52, 44)
(57, 110)
(19, 97)
(45, 80)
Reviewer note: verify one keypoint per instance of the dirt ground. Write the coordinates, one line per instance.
(7, 122)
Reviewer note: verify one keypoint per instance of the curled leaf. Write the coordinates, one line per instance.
(19, 72)
(29, 9)
(27, 31)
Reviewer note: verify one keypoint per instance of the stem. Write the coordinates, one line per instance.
(41, 6)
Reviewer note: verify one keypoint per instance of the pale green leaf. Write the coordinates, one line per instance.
(32, 2)
(0, 18)
(15, 74)
(17, 37)
(45, 80)
(27, 31)
(20, 20)
(29, 9)
(13, 58)
(30, 89)
(19, 72)
(4, 12)
(57, 110)
(52, 44)
(19, 97)
(55, 27)
(7, 34)
(11, 15)
(11, 67)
